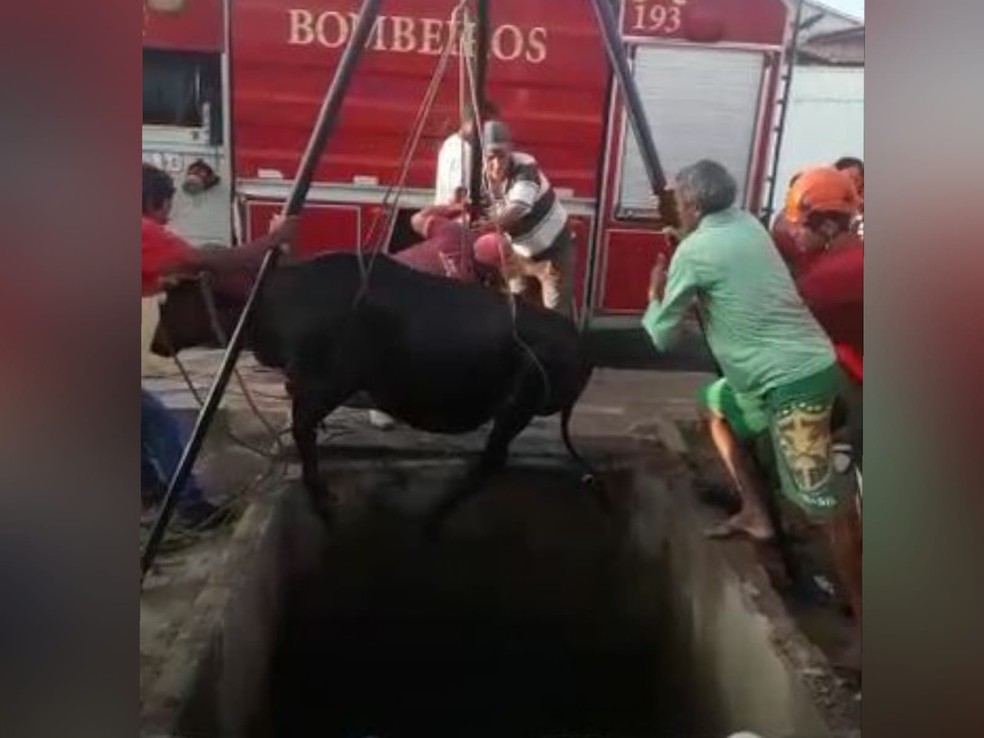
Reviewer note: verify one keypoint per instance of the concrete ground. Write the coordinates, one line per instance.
(627, 411)
(634, 403)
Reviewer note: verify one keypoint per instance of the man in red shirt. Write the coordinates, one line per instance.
(451, 248)
(166, 255)
(854, 169)
(833, 288)
(820, 211)
(797, 254)
(447, 246)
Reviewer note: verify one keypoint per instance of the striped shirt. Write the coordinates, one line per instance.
(544, 219)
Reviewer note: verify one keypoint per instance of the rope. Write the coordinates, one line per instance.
(248, 394)
(409, 149)
(480, 135)
(274, 433)
(180, 538)
(277, 468)
(208, 298)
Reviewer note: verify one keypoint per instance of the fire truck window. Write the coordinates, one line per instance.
(701, 104)
(181, 87)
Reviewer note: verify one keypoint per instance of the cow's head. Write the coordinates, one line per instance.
(198, 312)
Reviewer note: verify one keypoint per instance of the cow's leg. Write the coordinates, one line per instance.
(507, 426)
(305, 429)
(310, 406)
(509, 422)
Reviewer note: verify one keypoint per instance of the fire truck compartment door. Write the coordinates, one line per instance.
(701, 104)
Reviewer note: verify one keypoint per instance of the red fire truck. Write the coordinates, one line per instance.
(237, 84)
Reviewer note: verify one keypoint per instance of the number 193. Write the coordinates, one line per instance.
(662, 17)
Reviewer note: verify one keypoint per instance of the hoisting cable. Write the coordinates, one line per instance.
(498, 198)
(410, 147)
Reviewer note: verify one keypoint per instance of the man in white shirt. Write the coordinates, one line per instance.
(454, 159)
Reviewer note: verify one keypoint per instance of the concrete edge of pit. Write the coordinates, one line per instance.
(755, 668)
(218, 661)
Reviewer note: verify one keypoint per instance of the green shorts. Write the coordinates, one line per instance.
(797, 416)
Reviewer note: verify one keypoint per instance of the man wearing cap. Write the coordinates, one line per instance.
(526, 208)
(821, 211)
(164, 256)
(821, 208)
(795, 257)
(781, 375)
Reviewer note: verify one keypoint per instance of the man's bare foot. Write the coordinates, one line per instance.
(756, 527)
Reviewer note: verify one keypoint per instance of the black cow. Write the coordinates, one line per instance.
(440, 355)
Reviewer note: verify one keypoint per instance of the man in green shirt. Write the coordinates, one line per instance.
(780, 370)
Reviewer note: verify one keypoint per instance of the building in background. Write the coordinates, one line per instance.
(844, 48)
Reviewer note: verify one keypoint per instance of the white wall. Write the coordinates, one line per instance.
(203, 218)
(825, 121)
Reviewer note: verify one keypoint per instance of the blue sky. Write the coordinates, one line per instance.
(854, 7)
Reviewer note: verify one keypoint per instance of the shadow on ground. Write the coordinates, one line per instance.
(630, 348)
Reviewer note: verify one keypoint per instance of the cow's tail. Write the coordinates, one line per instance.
(565, 432)
(589, 474)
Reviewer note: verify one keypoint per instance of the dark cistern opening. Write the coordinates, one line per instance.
(533, 615)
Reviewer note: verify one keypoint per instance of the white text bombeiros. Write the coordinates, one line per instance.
(406, 35)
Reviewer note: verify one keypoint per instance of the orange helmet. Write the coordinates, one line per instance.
(821, 190)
